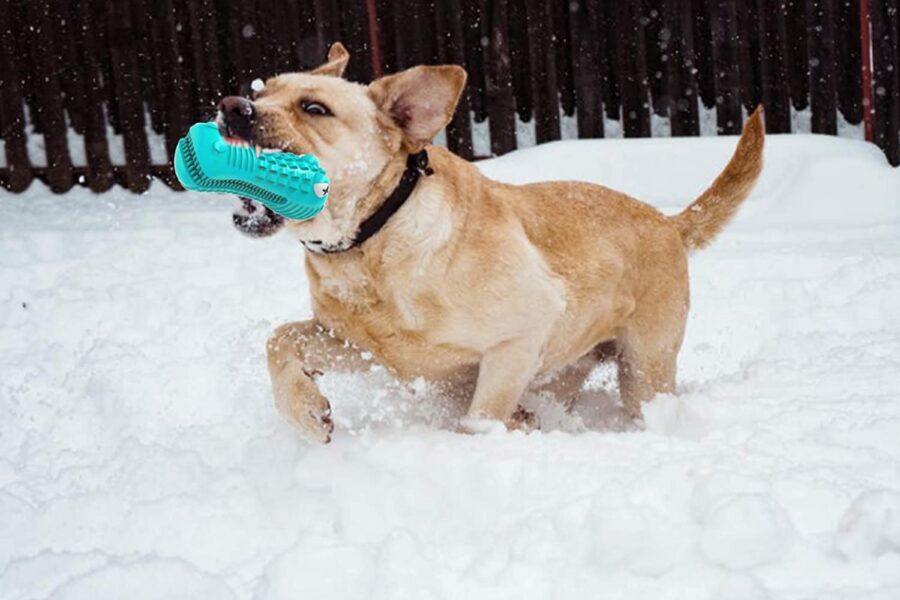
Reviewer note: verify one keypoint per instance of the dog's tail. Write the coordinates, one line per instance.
(700, 222)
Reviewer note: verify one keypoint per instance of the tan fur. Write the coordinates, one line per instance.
(706, 216)
(472, 276)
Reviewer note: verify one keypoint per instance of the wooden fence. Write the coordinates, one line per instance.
(98, 80)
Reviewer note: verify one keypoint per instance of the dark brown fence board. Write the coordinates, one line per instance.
(823, 93)
(98, 175)
(725, 38)
(632, 69)
(328, 30)
(71, 80)
(519, 48)
(885, 74)
(849, 69)
(749, 52)
(544, 87)
(706, 85)
(476, 27)
(612, 99)
(498, 83)
(651, 22)
(565, 81)
(126, 84)
(679, 67)
(587, 72)
(448, 25)
(18, 172)
(177, 123)
(798, 52)
(776, 92)
(354, 32)
(48, 97)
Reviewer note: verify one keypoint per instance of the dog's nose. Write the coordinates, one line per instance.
(238, 116)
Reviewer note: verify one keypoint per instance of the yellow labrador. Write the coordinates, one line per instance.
(439, 272)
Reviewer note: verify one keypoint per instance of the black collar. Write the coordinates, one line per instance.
(416, 166)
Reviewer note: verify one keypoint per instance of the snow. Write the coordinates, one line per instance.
(141, 456)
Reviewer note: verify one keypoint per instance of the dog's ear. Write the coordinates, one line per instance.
(338, 57)
(420, 101)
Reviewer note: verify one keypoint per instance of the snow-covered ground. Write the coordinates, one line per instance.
(141, 457)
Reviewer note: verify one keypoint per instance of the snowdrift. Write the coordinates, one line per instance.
(140, 455)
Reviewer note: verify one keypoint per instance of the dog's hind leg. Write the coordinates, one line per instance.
(297, 353)
(566, 384)
(647, 359)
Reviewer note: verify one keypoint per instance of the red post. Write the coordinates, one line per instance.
(866, 59)
(374, 39)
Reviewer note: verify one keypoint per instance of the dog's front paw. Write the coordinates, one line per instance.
(523, 420)
(312, 415)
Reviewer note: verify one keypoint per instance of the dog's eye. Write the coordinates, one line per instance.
(314, 108)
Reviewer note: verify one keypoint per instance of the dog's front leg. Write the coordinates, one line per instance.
(297, 352)
(503, 374)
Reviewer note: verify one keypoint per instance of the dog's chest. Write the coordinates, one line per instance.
(352, 295)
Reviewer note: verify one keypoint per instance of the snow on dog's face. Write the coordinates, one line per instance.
(359, 133)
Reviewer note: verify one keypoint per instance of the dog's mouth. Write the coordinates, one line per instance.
(251, 218)
(233, 139)
(256, 220)
(245, 138)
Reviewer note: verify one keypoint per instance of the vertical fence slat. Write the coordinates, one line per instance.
(542, 57)
(519, 48)
(475, 29)
(885, 75)
(706, 85)
(749, 52)
(448, 18)
(328, 28)
(726, 56)
(18, 166)
(586, 68)
(99, 172)
(72, 82)
(193, 24)
(562, 38)
(404, 43)
(99, 14)
(612, 98)
(126, 83)
(177, 123)
(215, 81)
(776, 93)
(48, 101)
(498, 83)
(632, 69)
(28, 68)
(823, 96)
(847, 51)
(151, 89)
(679, 67)
(651, 22)
(157, 104)
(354, 31)
(798, 49)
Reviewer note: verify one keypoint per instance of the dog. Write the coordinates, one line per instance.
(435, 271)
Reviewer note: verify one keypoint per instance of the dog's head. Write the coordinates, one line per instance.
(354, 130)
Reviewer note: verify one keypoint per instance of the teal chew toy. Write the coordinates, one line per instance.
(292, 185)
